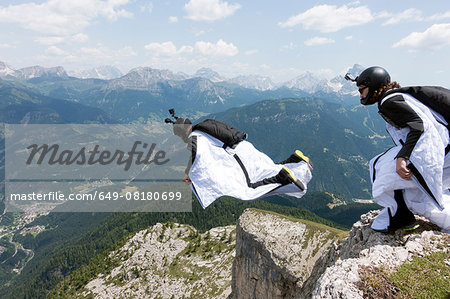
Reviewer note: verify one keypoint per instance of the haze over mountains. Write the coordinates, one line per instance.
(146, 93)
(307, 82)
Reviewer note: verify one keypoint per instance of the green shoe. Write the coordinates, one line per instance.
(411, 227)
(407, 228)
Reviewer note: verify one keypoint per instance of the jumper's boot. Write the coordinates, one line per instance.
(286, 176)
(296, 157)
(403, 218)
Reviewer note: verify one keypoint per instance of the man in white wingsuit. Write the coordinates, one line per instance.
(223, 163)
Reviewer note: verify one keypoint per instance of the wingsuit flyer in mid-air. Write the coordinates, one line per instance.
(223, 163)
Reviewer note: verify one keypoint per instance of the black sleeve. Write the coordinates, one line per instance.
(192, 146)
(402, 115)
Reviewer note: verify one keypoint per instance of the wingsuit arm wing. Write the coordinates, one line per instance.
(401, 115)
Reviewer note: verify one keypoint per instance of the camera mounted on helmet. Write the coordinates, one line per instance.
(172, 113)
(349, 78)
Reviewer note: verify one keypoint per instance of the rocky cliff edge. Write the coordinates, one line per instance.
(277, 257)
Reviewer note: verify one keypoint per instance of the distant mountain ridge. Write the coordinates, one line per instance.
(5, 70)
(105, 72)
(21, 105)
(209, 74)
(143, 78)
(309, 83)
(146, 93)
(255, 82)
(306, 82)
(32, 72)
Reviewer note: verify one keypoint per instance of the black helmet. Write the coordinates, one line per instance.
(373, 77)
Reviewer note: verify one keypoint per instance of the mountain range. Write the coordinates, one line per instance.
(307, 82)
(105, 72)
(146, 93)
(21, 105)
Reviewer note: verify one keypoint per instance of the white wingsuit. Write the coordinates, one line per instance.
(427, 194)
(223, 171)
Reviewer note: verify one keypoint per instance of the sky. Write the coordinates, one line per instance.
(279, 39)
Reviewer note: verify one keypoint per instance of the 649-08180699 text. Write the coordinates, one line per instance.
(102, 196)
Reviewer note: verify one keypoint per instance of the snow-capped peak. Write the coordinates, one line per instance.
(5, 70)
(105, 72)
(254, 82)
(39, 71)
(209, 74)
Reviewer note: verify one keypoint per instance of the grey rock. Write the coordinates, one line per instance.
(277, 257)
(365, 247)
(280, 258)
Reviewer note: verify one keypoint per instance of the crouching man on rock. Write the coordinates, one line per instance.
(414, 175)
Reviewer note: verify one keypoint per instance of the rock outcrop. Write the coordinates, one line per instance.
(168, 261)
(365, 247)
(277, 257)
(280, 258)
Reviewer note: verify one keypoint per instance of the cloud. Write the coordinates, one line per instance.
(62, 17)
(251, 52)
(147, 7)
(330, 18)
(354, 3)
(203, 48)
(199, 33)
(92, 51)
(126, 52)
(318, 41)
(290, 46)
(349, 37)
(434, 38)
(166, 49)
(6, 46)
(50, 40)
(265, 67)
(79, 38)
(54, 40)
(87, 56)
(173, 19)
(220, 48)
(440, 16)
(209, 10)
(53, 50)
(409, 15)
(103, 53)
